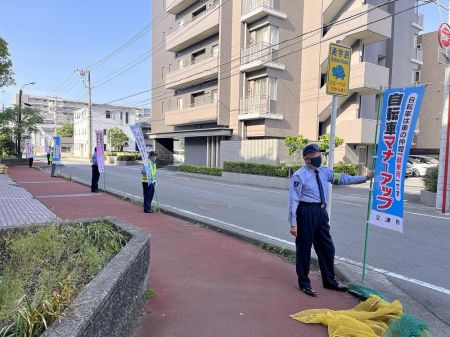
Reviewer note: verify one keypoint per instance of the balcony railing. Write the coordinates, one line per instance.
(250, 5)
(261, 51)
(197, 60)
(183, 23)
(201, 102)
(258, 107)
(418, 57)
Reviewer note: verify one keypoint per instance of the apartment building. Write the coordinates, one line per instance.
(428, 138)
(56, 112)
(256, 69)
(104, 117)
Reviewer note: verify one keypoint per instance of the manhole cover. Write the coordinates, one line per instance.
(214, 206)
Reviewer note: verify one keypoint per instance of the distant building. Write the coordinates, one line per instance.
(104, 117)
(428, 130)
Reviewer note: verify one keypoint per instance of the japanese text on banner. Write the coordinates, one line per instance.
(100, 150)
(140, 142)
(398, 120)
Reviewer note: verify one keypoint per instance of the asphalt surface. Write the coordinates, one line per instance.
(417, 261)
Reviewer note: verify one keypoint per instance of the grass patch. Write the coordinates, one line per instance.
(284, 253)
(42, 269)
(150, 293)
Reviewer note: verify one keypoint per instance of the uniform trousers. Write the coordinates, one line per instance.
(95, 178)
(313, 229)
(148, 191)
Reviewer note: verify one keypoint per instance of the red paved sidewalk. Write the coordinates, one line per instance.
(208, 284)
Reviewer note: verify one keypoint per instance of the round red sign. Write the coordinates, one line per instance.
(444, 35)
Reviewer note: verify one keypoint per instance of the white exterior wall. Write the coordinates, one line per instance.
(100, 122)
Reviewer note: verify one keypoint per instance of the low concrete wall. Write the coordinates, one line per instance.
(112, 301)
(126, 162)
(428, 198)
(14, 162)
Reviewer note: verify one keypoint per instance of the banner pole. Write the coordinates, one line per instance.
(157, 200)
(104, 180)
(369, 204)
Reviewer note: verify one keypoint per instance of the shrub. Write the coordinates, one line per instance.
(212, 171)
(259, 169)
(350, 169)
(431, 179)
(279, 170)
(136, 155)
(126, 157)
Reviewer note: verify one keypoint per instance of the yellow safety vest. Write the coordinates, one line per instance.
(152, 172)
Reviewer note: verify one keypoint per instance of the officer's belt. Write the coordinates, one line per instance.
(312, 204)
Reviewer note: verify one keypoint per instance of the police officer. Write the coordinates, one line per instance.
(149, 182)
(308, 217)
(95, 172)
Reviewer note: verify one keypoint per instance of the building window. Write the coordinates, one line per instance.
(126, 117)
(198, 56)
(381, 60)
(198, 98)
(180, 64)
(198, 12)
(416, 76)
(104, 132)
(268, 34)
(214, 95)
(263, 87)
(108, 114)
(215, 50)
(121, 115)
(180, 103)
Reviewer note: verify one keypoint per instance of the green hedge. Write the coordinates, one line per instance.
(279, 170)
(431, 179)
(136, 155)
(259, 169)
(126, 157)
(350, 169)
(212, 171)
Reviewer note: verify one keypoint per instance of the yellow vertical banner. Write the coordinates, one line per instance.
(339, 58)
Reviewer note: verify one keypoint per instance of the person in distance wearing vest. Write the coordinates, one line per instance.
(149, 182)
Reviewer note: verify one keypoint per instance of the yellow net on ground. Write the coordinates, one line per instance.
(370, 318)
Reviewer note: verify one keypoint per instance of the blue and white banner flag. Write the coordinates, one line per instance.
(398, 121)
(56, 150)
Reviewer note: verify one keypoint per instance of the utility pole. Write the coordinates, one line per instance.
(19, 120)
(86, 73)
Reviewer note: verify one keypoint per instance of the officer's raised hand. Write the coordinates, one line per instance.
(369, 175)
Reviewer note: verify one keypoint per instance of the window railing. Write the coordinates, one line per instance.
(418, 55)
(250, 5)
(255, 104)
(184, 22)
(261, 51)
(200, 102)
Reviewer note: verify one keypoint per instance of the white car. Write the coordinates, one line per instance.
(418, 169)
(431, 162)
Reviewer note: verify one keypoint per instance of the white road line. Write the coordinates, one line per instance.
(342, 259)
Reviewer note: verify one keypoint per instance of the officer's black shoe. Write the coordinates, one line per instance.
(309, 291)
(339, 287)
(150, 211)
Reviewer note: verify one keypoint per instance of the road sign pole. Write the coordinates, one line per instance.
(334, 104)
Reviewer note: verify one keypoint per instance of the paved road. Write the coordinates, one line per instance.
(421, 254)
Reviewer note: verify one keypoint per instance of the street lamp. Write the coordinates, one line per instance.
(19, 119)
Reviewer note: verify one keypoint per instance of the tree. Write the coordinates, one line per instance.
(12, 130)
(324, 142)
(6, 73)
(116, 138)
(65, 131)
(294, 144)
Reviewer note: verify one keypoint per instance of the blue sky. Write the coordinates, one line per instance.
(48, 39)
